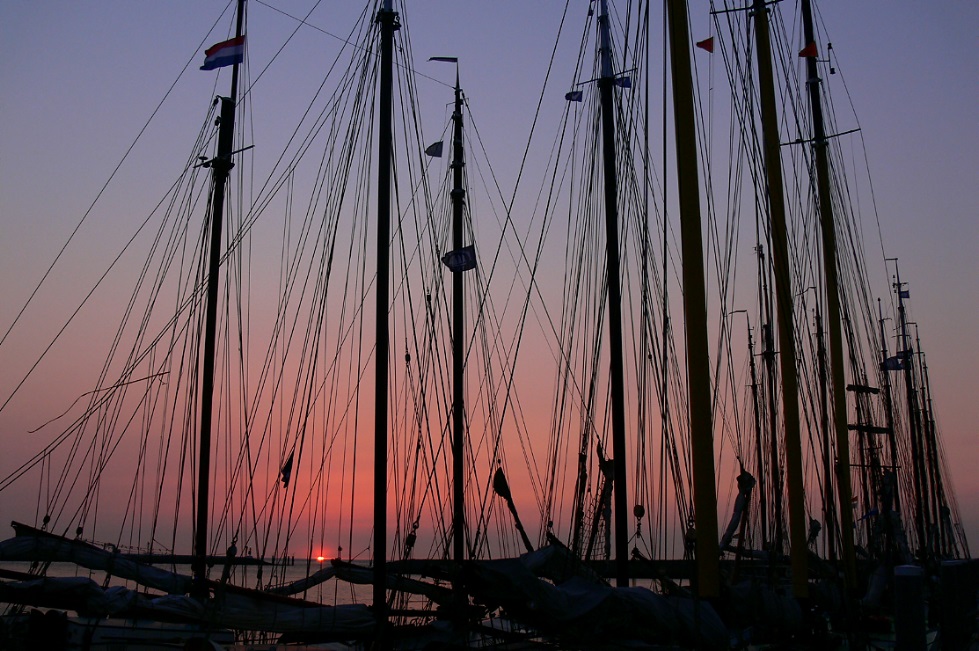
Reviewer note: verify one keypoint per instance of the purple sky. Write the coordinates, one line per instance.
(78, 80)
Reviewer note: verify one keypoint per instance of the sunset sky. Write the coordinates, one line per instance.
(79, 80)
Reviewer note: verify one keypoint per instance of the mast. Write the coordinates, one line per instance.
(694, 306)
(931, 443)
(783, 292)
(771, 377)
(768, 354)
(458, 350)
(844, 491)
(387, 18)
(888, 406)
(760, 459)
(759, 456)
(946, 532)
(606, 85)
(220, 168)
(914, 420)
(830, 516)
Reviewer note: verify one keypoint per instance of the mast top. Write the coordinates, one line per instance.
(605, 37)
(454, 60)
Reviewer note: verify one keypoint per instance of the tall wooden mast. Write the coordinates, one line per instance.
(606, 86)
(783, 294)
(828, 224)
(387, 18)
(458, 342)
(888, 406)
(220, 169)
(759, 454)
(694, 306)
(829, 513)
(904, 353)
(945, 538)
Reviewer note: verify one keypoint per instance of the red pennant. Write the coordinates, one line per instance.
(706, 44)
(808, 51)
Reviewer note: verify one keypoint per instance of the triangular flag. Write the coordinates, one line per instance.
(434, 150)
(706, 44)
(574, 96)
(808, 51)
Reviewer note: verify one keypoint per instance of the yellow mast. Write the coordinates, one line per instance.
(783, 298)
(828, 224)
(694, 306)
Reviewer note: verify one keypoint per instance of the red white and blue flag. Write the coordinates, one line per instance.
(225, 53)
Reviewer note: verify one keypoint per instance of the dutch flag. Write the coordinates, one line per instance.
(225, 53)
